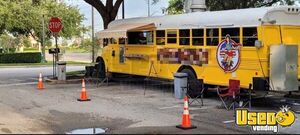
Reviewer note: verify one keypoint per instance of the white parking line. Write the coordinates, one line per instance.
(175, 106)
(228, 121)
(201, 108)
(17, 84)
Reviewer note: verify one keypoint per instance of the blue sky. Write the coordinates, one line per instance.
(133, 8)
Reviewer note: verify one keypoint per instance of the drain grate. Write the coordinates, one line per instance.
(88, 131)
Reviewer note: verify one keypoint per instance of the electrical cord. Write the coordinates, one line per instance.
(260, 63)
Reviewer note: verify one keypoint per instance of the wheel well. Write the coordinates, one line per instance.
(187, 67)
(98, 59)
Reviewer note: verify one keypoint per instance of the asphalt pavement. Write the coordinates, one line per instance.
(122, 107)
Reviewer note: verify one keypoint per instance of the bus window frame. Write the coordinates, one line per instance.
(216, 37)
(243, 37)
(232, 37)
(187, 37)
(110, 41)
(167, 36)
(164, 38)
(197, 37)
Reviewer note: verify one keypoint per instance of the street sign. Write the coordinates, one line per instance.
(55, 25)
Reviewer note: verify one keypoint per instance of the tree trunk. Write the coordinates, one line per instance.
(106, 21)
(108, 12)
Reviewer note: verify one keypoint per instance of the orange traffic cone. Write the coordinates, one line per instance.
(83, 95)
(186, 122)
(40, 84)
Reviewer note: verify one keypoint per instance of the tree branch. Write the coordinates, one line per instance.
(116, 8)
(98, 5)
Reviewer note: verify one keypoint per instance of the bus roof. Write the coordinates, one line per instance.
(278, 15)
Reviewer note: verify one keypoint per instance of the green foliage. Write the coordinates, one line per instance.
(26, 42)
(25, 18)
(8, 43)
(177, 6)
(21, 58)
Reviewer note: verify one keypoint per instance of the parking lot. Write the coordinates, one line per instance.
(121, 107)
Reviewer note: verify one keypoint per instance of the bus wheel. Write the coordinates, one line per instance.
(195, 87)
(101, 69)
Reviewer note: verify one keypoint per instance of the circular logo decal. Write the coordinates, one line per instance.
(228, 55)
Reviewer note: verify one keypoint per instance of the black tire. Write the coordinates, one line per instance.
(195, 87)
(100, 67)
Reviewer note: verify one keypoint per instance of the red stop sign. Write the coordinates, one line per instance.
(55, 25)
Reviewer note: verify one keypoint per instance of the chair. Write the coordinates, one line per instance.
(247, 97)
(198, 84)
(230, 93)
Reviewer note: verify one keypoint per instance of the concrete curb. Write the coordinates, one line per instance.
(69, 81)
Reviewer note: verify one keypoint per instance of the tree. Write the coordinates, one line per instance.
(109, 11)
(176, 6)
(25, 17)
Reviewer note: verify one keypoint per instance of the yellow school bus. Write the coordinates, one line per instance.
(257, 46)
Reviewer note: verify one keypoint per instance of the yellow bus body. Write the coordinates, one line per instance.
(254, 62)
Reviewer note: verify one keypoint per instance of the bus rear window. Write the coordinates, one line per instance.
(249, 36)
(112, 41)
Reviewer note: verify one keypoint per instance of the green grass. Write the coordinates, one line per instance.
(31, 50)
(49, 63)
(76, 50)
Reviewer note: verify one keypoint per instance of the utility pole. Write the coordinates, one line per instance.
(93, 36)
(43, 41)
(148, 8)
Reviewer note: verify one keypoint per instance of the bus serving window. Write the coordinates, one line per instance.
(140, 38)
(250, 35)
(160, 37)
(212, 37)
(198, 35)
(184, 37)
(233, 32)
(172, 37)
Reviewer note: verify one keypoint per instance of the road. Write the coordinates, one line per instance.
(122, 107)
(79, 57)
(27, 75)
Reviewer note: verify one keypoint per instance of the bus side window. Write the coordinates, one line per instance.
(198, 37)
(172, 37)
(250, 36)
(112, 41)
(160, 37)
(122, 41)
(233, 32)
(105, 42)
(184, 37)
(212, 37)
